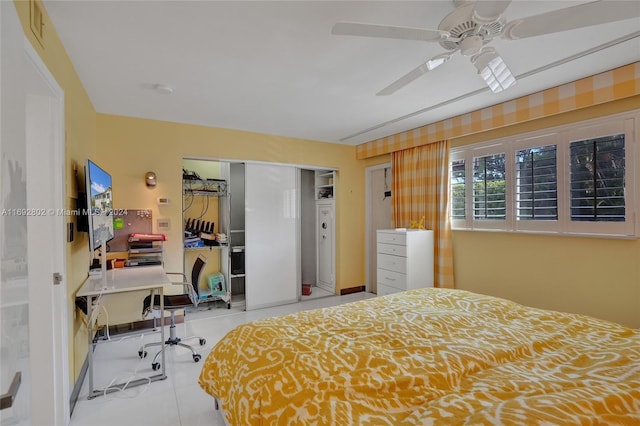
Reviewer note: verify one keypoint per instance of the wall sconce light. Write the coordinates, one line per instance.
(150, 179)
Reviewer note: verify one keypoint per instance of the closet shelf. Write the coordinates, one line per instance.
(219, 246)
(324, 184)
(205, 187)
(205, 231)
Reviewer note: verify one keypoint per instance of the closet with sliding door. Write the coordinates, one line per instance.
(275, 242)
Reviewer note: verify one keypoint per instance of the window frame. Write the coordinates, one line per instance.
(561, 137)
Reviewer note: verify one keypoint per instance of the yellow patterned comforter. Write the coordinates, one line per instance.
(428, 357)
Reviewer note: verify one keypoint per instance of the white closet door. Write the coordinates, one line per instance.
(271, 256)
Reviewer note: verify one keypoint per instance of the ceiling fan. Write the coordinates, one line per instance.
(475, 23)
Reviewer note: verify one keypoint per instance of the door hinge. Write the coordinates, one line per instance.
(57, 278)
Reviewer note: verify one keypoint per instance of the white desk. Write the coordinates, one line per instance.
(121, 280)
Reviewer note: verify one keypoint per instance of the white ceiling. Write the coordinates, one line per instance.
(274, 67)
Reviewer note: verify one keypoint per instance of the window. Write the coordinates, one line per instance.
(597, 179)
(536, 183)
(489, 197)
(574, 179)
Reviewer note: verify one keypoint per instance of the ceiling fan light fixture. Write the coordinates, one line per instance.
(493, 70)
(471, 45)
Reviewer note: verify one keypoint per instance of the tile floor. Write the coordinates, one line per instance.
(178, 400)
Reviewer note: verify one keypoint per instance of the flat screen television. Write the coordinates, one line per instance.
(98, 206)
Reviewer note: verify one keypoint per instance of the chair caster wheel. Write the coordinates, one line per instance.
(142, 354)
(228, 305)
(203, 342)
(155, 366)
(196, 357)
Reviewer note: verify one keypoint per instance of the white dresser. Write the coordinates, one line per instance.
(405, 260)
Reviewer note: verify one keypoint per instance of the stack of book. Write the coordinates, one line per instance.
(145, 249)
(193, 241)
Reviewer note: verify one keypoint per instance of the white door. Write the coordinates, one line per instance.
(325, 238)
(272, 261)
(32, 229)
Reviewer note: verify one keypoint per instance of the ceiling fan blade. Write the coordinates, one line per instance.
(404, 80)
(579, 16)
(424, 68)
(488, 11)
(387, 31)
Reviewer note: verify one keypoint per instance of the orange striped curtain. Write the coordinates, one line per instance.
(421, 188)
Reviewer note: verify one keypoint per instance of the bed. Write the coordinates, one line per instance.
(427, 356)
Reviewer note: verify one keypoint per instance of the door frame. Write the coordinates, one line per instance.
(370, 245)
(49, 354)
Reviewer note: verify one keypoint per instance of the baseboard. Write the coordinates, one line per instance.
(75, 392)
(351, 290)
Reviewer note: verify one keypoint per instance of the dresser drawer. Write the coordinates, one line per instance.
(392, 263)
(392, 238)
(383, 290)
(393, 279)
(392, 249)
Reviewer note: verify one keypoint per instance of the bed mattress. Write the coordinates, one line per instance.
(427, 356)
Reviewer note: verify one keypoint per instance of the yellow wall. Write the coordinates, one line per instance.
(129, 147)
(593, 276)
(80, 122)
